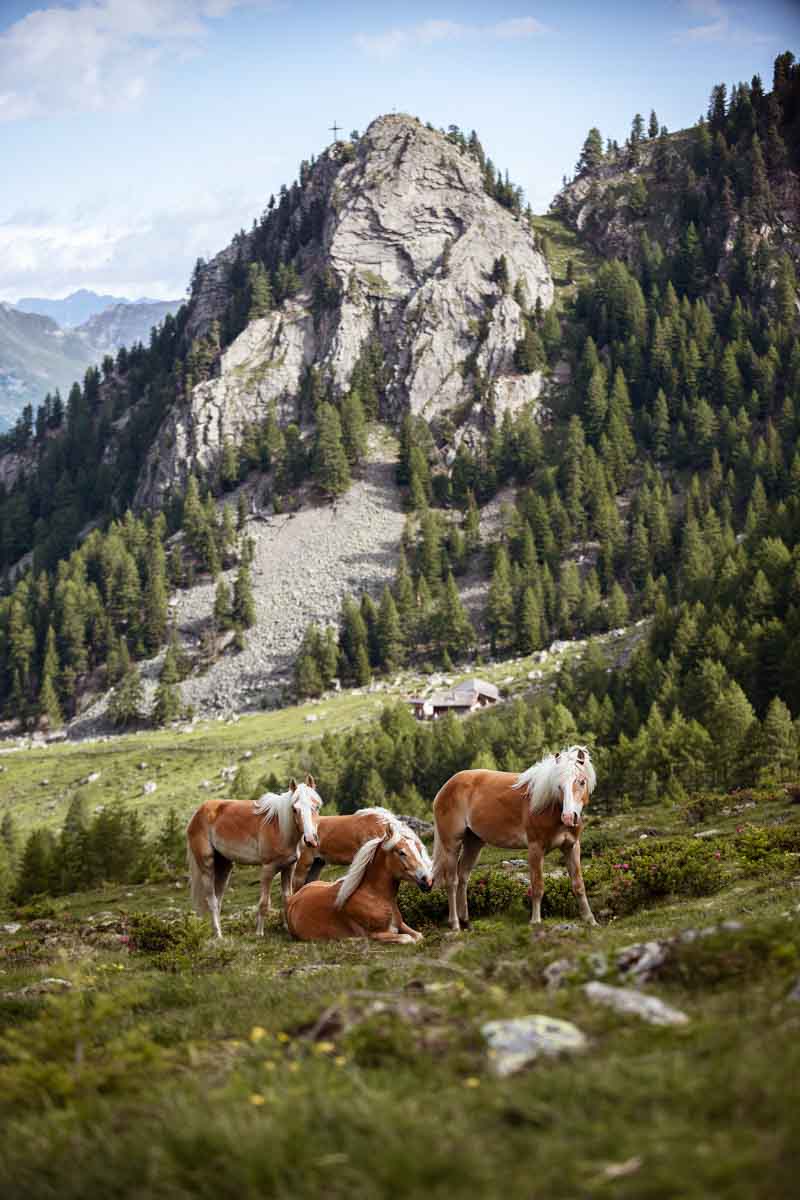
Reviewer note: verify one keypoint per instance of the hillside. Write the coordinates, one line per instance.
(122, 1064)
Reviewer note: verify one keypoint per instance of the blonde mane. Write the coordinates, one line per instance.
(273, 807)
(388, 840)
(545, 779)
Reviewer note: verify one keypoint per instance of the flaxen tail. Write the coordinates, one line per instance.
(438, 844)
(197, 886)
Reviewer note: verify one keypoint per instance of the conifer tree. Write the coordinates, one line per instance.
(500, 606)
(389, 633)
(354, 428)
(127, 699)
(330, 467)
(244, 605)
(167, 700)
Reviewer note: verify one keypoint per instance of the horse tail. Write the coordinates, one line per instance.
(196, 841)
(442, 805)
(196, 884)
(438, 858)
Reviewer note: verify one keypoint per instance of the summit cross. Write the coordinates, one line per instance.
(335, 129)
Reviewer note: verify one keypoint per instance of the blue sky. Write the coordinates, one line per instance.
(140, 134)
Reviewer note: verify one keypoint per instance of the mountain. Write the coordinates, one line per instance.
(397, 249)
(38, 356)
(596, 421)
(73, 309)
(123, 324)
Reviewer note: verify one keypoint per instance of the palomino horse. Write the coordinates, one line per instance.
(538, 810)
(363, 903)
(340, 839)
(267, 831)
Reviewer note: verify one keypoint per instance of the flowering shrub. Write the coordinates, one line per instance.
(678, 866)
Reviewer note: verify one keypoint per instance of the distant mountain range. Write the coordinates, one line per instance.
(76, 308)
(40, 352)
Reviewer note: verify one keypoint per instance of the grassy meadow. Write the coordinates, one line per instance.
(139, 1058)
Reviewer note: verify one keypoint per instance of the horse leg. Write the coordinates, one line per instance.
(535, 861)
(222, 873)
(572, 860)
(287, 873)
(265, 900)
(302, 868)
(470, 851)
(386, 935)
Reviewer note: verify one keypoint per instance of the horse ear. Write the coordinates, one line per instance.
(310, 782)
(558, 756)
(293, 784)
(581, 756)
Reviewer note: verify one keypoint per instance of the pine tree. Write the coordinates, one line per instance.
(453, 628)
(529, 623)
(244, 605)
(591, 152)
(500, 605)
(354, 428)
(389, 633)
(260, 292)
(223, 611)
(330, 468)
(125, 705)
(167, 700)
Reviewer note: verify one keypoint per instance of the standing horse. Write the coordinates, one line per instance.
(363, 903)
(538, 810)
(268, 831)
(340, 839)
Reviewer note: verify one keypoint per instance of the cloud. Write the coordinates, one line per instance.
(720, 25)
(116, 250)
(100, 54)
(428, 33)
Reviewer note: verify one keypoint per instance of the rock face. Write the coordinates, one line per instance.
(408, 239)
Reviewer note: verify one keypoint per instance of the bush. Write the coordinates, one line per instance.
(172, 944)
(767, 845)
(728, 954)
(674, 867)
(488, 893)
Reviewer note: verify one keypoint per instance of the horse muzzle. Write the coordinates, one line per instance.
(424, 883)
(570, 819)
(311, 841)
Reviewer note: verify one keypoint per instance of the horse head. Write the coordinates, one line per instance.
(306, 803)
(406, 856)
(576, 780)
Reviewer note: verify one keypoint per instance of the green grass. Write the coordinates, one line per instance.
(253, 1068)
(564, 245)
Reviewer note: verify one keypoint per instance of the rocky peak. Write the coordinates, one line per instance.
(406, 238)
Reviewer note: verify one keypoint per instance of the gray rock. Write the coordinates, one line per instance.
(633, 1003)
(11, 927)
(516, 1043)
(556, 972)
(641, 960)
(708, 833)
(149, 787)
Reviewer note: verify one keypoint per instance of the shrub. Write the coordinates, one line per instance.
(172, 944)
(678, 866)
(766, 845)
(489, 893)
(703, 806)
(728, 954)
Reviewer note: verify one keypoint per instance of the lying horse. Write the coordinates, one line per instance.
(340, 839)
(363, 903)
(538, 810)
(266, 831)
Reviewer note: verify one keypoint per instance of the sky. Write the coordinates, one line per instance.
(139, 135)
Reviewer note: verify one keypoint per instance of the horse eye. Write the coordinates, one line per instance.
(402, 853)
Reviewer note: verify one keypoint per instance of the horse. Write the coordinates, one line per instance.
(363, 903)
(340, 838)
(266, 831)
(540, 809)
